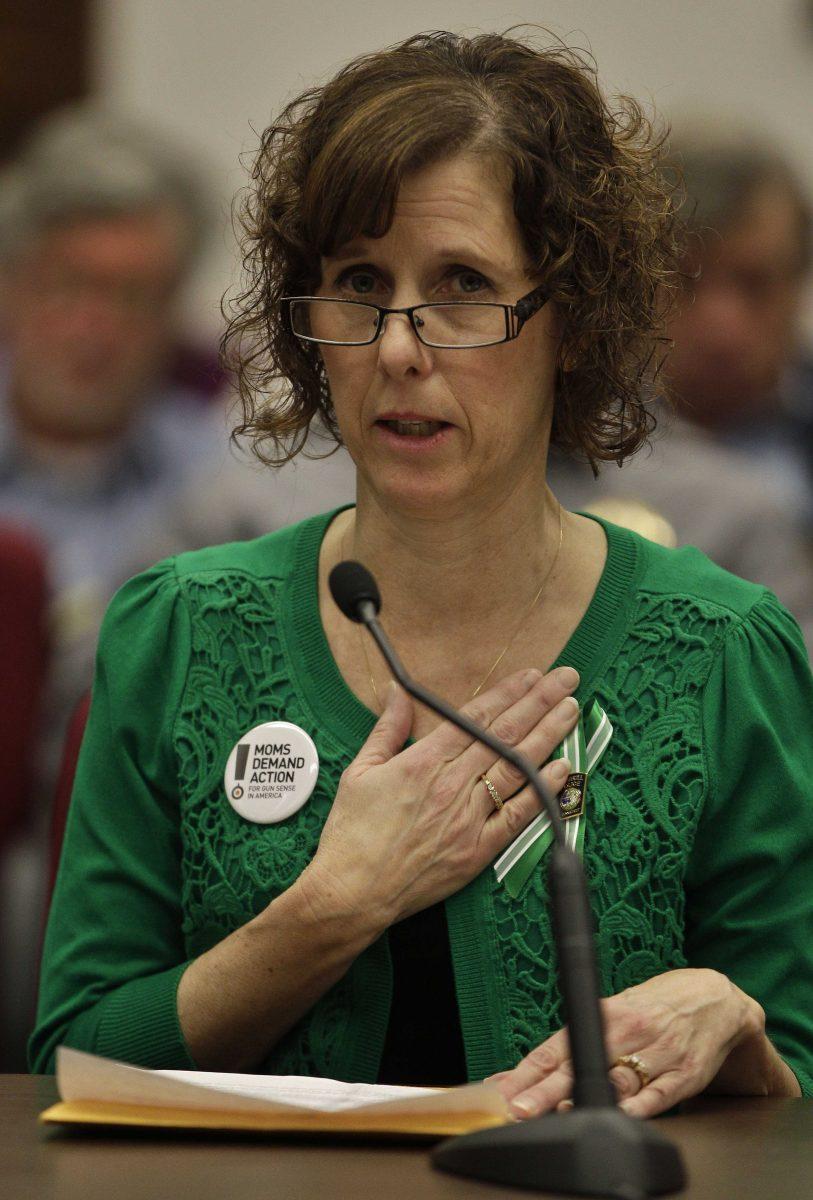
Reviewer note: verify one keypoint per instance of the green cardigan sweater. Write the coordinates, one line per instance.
(699, 826)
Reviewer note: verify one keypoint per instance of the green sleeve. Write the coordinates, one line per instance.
(750, 878)
(114, 950)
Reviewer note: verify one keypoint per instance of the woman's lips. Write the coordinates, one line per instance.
(419, 428)
(415, 433)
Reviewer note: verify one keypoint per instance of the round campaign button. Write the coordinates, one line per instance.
(271, 772)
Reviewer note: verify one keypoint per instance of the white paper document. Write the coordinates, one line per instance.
(86, 1078)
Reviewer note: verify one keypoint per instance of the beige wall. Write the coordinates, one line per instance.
(210, 70)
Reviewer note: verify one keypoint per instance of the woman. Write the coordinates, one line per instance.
(367, 935)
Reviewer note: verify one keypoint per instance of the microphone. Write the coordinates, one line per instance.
(355, 591)
(595, 1150)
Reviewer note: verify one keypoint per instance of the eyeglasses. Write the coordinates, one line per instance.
(457, 325)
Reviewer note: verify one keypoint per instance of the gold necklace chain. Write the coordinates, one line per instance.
(510, 641)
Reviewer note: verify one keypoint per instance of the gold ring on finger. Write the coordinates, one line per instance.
(637, 1064)
(493, 793)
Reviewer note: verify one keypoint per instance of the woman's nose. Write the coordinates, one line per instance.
(399, 348)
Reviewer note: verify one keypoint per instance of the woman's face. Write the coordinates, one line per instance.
(430, 427)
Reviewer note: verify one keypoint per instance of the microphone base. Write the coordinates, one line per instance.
(583, 1152)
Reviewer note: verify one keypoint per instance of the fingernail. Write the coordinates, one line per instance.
(560, 769)
(523, 1108)
(569, 707)
(568, 677)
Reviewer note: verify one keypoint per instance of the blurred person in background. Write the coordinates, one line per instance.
(99, 225)
(730, 466)
(100, 222)
(738, 368)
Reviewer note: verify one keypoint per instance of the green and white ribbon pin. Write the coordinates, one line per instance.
(583, 746)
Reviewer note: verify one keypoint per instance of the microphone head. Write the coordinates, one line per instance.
(351, 584)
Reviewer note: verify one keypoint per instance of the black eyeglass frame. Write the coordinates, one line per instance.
(516, 316)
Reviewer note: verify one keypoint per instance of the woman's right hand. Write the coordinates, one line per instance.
(409, 827)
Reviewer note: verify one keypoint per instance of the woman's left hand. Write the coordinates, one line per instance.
(681, 1025)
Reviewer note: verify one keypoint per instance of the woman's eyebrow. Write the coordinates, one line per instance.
(350, 250)
(460, 255)
(468, 254)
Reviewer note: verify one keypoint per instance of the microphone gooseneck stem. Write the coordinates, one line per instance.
(578, 978)
(572, 918)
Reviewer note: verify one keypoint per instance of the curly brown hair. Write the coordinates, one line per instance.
(597, 219)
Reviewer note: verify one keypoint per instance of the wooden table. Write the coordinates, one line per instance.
(734, 1150)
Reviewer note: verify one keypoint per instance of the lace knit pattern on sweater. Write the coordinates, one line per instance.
(240, 677)
(643, 804)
